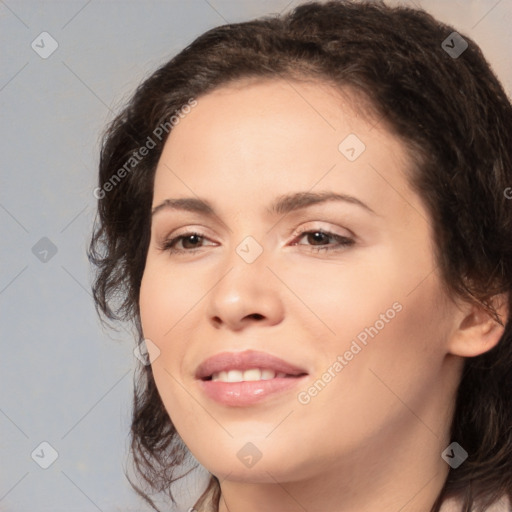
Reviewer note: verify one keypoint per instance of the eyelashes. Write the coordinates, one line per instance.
(317, 236)
(341, 241)
(169, 244)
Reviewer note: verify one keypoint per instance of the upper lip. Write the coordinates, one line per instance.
(246, 360)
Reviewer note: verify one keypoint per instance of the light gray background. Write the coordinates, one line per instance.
(63, 379)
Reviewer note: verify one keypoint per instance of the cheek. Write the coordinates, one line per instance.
(416, 338)
(162, 305)
(170, 303)
(160, 310)
(390, 321)
(394, 360)
(342, 297)
(165, 300)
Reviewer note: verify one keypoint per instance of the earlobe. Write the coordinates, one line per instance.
(478, 331)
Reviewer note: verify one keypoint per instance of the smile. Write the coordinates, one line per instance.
(251, 375)
(240, 379)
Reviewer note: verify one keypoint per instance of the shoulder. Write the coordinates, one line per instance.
(455, 505)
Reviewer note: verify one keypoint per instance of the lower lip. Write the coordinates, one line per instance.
(240, 394)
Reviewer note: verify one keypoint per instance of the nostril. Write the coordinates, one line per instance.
(256, 316)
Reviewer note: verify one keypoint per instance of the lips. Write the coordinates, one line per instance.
(245, 364)
(241, 379)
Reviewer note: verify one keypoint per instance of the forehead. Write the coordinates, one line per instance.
(268, 136)
(262, 113)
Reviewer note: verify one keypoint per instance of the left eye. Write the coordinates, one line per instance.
(318, 239)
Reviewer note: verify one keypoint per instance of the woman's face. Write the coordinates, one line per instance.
(291, 288)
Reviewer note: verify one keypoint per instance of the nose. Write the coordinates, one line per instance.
(248, 294)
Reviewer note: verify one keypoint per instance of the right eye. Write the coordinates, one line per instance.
(190, 242)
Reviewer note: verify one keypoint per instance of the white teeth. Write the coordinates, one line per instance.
(253, 374)
(235, 376)
(267, 374)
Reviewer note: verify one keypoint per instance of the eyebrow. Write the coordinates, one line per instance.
(281, 206)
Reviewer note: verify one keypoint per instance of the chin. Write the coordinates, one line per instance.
(254, 463)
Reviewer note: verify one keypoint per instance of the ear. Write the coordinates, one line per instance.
(479, 332)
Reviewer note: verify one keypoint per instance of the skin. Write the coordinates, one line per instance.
(371, 439)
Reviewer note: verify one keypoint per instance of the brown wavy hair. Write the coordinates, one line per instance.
(456, 121)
